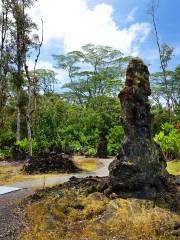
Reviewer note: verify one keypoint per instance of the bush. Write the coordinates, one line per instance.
(169, 140)
(5, 153)
(91, 152)
(7, 138)
(75, 146)
(24, 145)
(160, 116)
(116, 135)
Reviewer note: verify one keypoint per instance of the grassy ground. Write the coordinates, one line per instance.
(174, 167)
(86, 164)
(12, 172)
(9, 175)
(75, 215)
(72, 215)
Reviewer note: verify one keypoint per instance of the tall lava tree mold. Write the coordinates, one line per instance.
(141, 163)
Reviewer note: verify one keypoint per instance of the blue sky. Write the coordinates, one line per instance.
(122, 24)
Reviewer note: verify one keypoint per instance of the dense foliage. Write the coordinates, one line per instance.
(34, 116)
(169, 139)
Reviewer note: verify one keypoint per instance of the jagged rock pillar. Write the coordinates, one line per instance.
(140, 164)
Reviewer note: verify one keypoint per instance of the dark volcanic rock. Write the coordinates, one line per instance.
(18, 154)
(46, 162)
(102, 146)
(141, 164)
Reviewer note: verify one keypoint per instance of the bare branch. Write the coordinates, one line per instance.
(39, 48)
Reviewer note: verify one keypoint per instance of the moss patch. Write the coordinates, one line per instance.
(86, 164)
(174, 167)
(71, 214)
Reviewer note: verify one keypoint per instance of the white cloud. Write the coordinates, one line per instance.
(76, 24)
(131, 17)
(40, 65)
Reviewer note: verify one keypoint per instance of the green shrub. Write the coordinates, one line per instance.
(24, 145)
(7, 138)
(1, 154)
(116, 135)
(91, 152)
(5, 153)
(76, 146)
(169, 140)
(160, 116)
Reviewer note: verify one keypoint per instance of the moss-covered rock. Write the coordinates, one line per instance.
(141, 163)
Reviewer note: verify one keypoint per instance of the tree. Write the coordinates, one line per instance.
(96, 75)
(51, 115)
(165, 53)
(32, 81)
(171, 89)
(94, 71)
(46, 80)
(5, 56)
(175, 86)
(18, 35)
(24, 41)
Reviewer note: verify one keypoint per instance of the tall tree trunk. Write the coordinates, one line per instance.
(152, 13)
(32, 83)
(29, 134)
(2, 101)
(18, 115)
(29, 111)
(3, 61)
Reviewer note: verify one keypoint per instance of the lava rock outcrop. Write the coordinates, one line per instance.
(141, 163)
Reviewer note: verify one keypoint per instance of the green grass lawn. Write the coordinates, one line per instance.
(174, 167)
